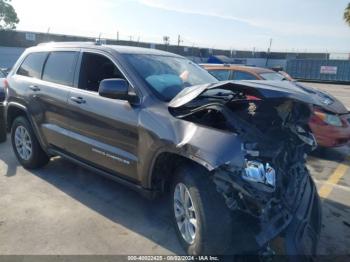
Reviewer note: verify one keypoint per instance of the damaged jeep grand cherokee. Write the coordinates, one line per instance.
(232, 154)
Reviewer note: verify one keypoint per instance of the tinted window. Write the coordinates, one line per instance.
(60, 67)
(221, 75)
(32, 66)
(238, 75)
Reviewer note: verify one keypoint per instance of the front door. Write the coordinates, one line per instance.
(104, 131)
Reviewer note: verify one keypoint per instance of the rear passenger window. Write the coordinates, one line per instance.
(221, 75)
(60, 67)
(238, 75)
(32, 65)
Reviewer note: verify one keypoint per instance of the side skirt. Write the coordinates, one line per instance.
(150, 194)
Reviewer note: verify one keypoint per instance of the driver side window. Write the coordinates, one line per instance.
(94, 69)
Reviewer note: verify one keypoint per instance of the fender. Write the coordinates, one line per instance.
(221, 152)
(30, 119)
(165, 149)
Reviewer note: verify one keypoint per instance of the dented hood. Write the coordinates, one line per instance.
(265, 90)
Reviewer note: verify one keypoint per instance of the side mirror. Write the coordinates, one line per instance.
(114, 88)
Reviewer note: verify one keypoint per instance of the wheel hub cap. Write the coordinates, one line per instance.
(23, 143)
(185, 213)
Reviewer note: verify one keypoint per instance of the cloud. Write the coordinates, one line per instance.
(277, 27)
(159, 5)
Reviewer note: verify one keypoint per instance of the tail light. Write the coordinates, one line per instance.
(252, 98)
(315, 119)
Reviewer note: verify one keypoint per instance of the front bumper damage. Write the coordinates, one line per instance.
(294, 216)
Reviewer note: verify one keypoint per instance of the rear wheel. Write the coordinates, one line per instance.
(26, 146)
(202, 221)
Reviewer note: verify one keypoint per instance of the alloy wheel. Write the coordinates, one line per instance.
(185, 213)
(23, 143)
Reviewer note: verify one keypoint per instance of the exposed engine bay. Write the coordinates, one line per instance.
(276, 140)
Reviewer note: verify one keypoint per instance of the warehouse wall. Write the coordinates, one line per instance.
(9, 55)
(320, 70)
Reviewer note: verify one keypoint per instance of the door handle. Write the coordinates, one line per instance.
(34, 88)
(78, 100)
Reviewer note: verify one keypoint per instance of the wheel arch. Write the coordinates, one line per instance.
(13, 111)
(164, 165)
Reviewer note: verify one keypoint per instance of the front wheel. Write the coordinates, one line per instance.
(202, 221)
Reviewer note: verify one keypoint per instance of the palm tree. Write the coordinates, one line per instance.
(347, 14)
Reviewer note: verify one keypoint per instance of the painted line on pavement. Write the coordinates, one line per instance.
(333, 180)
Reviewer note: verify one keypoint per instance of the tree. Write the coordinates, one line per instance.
(347, 14)
(8, 15)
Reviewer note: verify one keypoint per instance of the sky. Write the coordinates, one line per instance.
(293, 25)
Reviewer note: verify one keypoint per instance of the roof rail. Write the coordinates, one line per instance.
(65, 43)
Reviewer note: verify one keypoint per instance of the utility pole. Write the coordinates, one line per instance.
(268, 53)
(179, 40)
(117, 35)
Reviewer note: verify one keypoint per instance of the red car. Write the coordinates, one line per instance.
(329, 129)
(330, 122)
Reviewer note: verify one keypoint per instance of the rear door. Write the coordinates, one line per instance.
(48, 97)
(103, 131)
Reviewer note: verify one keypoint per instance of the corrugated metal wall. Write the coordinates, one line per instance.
(319, 70)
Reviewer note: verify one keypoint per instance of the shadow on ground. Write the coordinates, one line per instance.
(335, 235)
(332, 154)
(149, 218)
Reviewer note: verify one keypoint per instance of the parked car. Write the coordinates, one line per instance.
(330, 122)
(232, 155)
(2, 106)
(224, 72)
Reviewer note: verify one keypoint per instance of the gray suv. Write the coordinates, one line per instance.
(231, 155)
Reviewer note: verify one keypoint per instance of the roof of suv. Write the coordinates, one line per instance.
(118, 48)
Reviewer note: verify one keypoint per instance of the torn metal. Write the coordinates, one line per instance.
(266, 179)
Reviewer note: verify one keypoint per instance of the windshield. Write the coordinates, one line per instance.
(168, 75)
(2, 75)
(272, 76)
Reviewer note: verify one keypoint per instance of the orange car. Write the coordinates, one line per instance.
(225, 72)
(330, 124)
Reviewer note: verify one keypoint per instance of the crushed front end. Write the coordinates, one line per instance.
(272, 194)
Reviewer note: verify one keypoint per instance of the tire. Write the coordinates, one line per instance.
(31, 160)
(213, 234)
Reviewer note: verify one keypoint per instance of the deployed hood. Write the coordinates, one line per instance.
(265, 90)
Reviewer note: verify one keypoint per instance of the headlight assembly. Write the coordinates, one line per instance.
(329, 119)
(258, 173)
